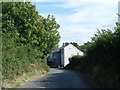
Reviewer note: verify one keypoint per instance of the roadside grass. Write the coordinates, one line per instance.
(23, 79)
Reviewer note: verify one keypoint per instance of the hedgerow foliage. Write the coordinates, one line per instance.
(101, 60)
(27, 38)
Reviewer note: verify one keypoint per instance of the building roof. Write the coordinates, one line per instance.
(57, 50)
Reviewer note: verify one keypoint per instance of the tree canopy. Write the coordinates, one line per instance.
(27, 37)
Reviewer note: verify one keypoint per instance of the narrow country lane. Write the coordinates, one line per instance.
(59, 78)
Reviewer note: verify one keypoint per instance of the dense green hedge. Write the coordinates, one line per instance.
(101, 60)
(27, 39)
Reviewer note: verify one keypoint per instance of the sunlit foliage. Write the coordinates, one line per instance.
(27, 38)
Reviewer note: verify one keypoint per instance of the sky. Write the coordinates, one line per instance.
(79, 19)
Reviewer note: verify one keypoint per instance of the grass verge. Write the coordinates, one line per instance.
(23, 79)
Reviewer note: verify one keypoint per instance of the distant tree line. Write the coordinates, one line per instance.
(73, 43)
(27, 39)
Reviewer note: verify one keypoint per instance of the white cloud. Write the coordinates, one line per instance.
(73, 27)
(75, 3)
(96, 12)
(49, 0)
(75, 33)
(87, 16)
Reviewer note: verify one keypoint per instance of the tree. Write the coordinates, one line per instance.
(27, 37)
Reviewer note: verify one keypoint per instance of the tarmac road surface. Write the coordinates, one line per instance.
(59, 78)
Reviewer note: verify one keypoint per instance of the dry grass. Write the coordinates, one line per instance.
(21, 80)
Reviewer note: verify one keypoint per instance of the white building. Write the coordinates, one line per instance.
(60, 57)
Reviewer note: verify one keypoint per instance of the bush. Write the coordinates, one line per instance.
(74, 58)
(101, 61)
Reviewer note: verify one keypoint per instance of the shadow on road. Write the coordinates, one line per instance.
(59, 78)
